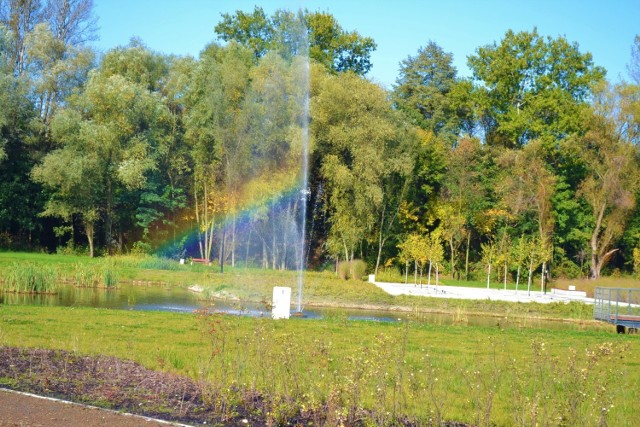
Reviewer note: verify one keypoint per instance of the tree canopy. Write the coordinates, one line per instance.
(532, 163)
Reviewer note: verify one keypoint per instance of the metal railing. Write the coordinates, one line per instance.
(620, 306)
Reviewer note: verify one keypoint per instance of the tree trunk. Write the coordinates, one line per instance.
(406, 272)
(530, 276)
(197, 209)
(274, 250)
(265, 256)
(429, 278)
(109, 215)
(517, 278)
(596, 264)
(466, 262)
(246, 252)
(222, 243)
(89, 230)
(488, 275)
(601, 261)
(452, 258)
(381, 242)
(505, 276)
(233, 242)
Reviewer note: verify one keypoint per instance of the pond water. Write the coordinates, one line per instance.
(181, 300)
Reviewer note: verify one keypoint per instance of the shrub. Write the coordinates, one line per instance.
(141, 248)
(159, 263)
(343, 270)
(567, 269)
(358, 269)
(355, 269)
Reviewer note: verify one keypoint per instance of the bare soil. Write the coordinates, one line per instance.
(125, 386)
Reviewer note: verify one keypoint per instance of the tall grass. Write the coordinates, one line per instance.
(29, 278)
(101, 274)
(393, 377)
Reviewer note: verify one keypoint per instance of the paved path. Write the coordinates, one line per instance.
(27, 410)
(445, 291)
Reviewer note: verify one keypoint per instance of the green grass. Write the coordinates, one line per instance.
(589, 285)
(28, 278)
(481, 375)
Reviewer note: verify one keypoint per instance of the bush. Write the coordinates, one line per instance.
(141, 248)
(355, 269)
(343, 270)
(358, 269)
(567, 269)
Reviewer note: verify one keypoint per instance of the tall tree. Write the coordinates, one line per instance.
(531, 87)
(55, 69)
(354, 130)
(112, 132)
(427, 91)
(215, 126)
(466, 189)
(328, 43)
(72, 21)
(612, 178)
(20, 17)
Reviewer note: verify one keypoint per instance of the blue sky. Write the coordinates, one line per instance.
(606, 28)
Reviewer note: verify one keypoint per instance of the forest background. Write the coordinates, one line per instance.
(533, 161)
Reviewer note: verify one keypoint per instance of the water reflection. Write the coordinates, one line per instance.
(180, 300)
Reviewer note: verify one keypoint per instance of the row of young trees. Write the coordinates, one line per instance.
(536, 152)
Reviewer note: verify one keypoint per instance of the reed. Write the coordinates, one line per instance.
(100, 274)
(29, 278)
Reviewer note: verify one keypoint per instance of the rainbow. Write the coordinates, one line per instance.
(274, 200)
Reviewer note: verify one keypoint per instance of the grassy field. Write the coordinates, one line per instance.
(480, 375)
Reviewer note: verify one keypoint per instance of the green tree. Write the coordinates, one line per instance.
(467, 184)
(19, 201)
(531, 87)
(328, 43)
(70, 174)
(428, 91)
(215, 129)
(488, 258)
(111, 132)
(528, 187)
(355, 131)
(55, 69)
(611, 182)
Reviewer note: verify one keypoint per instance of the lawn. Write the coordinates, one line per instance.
(422, 372)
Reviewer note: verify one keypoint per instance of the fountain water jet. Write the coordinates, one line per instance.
(305, 179)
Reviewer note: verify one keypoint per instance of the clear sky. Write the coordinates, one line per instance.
(606, 28)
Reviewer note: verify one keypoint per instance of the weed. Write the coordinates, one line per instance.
(29, 278)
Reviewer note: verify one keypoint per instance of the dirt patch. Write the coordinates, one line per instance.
(126, 386)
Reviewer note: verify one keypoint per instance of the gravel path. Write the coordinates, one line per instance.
(27, 410)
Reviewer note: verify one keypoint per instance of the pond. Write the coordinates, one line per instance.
(181, 300)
